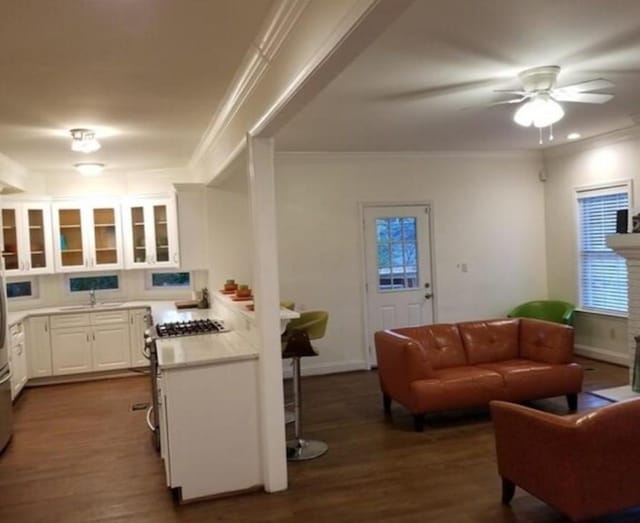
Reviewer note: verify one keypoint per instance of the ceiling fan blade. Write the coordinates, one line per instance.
(586, 98)
(511, 91)
(589, 85)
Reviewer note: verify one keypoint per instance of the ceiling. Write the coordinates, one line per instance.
(151, 73)
(425, 82)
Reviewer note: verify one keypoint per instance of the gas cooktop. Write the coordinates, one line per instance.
(189, 328)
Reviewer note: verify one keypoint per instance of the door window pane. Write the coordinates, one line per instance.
(38, 257)
(137, 233)
(397, 253)
(71, 246)
(104, 225)
(10, 234)
(162, 236)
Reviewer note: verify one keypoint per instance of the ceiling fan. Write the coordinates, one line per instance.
(541, 96)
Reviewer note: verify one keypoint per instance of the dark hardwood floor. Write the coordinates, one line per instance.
(80, 454)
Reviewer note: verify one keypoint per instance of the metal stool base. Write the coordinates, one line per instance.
(305, 449)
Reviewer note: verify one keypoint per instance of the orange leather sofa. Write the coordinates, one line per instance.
(584, 465)
(451, 366)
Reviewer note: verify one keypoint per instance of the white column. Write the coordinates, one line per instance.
(633, 321)
(267, 310)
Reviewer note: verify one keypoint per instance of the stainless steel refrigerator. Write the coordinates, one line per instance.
(5, 372)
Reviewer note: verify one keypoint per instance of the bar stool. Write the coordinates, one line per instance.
(296, 344)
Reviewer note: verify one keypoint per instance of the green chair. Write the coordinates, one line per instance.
(296, 344)
(549, 310)
(287, 304)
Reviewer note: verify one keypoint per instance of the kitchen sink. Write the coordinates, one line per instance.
(103, 305)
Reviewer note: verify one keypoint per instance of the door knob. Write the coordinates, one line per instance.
(428, 296)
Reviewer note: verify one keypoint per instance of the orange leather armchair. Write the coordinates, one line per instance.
(584, 465)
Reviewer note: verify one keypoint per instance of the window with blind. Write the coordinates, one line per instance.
(603, 274)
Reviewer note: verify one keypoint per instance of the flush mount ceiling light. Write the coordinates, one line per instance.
(84, 141)
(89, 169)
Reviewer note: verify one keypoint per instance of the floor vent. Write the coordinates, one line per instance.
(140, 406)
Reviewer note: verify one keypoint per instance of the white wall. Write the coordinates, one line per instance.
(488, 212)
(229, 230)
(609, 158)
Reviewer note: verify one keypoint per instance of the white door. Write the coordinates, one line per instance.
(398, 268)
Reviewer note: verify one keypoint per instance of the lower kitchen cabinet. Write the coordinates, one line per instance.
(71, 350)
(94, 341)
(110, 346)
(17, 359)
(209, 437)
(39, 347)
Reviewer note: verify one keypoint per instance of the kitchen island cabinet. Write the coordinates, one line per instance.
(208, 423)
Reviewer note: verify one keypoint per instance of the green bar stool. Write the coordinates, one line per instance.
(296, 344)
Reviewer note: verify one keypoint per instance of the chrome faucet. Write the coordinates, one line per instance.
(92, 297)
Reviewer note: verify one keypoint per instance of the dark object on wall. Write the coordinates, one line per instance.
(635, 223)
(622, 221)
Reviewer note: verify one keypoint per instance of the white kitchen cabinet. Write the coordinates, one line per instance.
(26, 238)
(110, 346)
(208, 437)
(93, 341)
(151, 234)
(137, 325)
(39, 347)
(87, 237)
(71, 350)
(17, 359)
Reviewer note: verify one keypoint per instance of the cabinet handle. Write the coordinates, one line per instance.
(94, 336)
(131, 320)
(46, 328)
(88, 337)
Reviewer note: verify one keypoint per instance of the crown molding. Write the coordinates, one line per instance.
(276, 27)
(619, 135)
(518, 153)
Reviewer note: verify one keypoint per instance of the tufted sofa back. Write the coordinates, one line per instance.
(441, 342)
(491, 340)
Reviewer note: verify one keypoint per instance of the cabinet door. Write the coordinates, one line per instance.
(165, 233)
(111, 346)
(39, 347)
(71, 350)
(138, 241)
(104, 237)
(38, 246)
(70, 245)
(137, 324)
(12, 248)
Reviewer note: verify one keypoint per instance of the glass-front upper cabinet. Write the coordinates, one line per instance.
(26, 238)
(151, 234)
(88, 236)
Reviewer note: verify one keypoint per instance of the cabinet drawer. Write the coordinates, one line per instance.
(69, 320)
(106, 317)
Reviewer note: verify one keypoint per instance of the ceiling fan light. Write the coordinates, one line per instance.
(89, 169)
(541, 111)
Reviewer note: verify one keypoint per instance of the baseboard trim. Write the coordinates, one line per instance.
(325, 368)
(606, 355)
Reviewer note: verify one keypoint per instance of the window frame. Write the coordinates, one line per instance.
(148, 281)
(35, 287)
(68, 276)
(600, 189)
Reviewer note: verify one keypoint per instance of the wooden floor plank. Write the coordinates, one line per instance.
(80, 454)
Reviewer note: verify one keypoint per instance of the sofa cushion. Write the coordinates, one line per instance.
(491, 340)
(442, 343)
(545, 341)
(526, 379)
(457, 387)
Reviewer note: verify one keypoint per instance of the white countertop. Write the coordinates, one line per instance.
(242, 307)
(203, 349)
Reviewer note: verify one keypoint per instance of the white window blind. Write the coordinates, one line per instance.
(603, 274)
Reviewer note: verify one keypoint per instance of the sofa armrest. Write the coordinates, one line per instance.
(545, 341)
(401, 360)
(537, 451)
